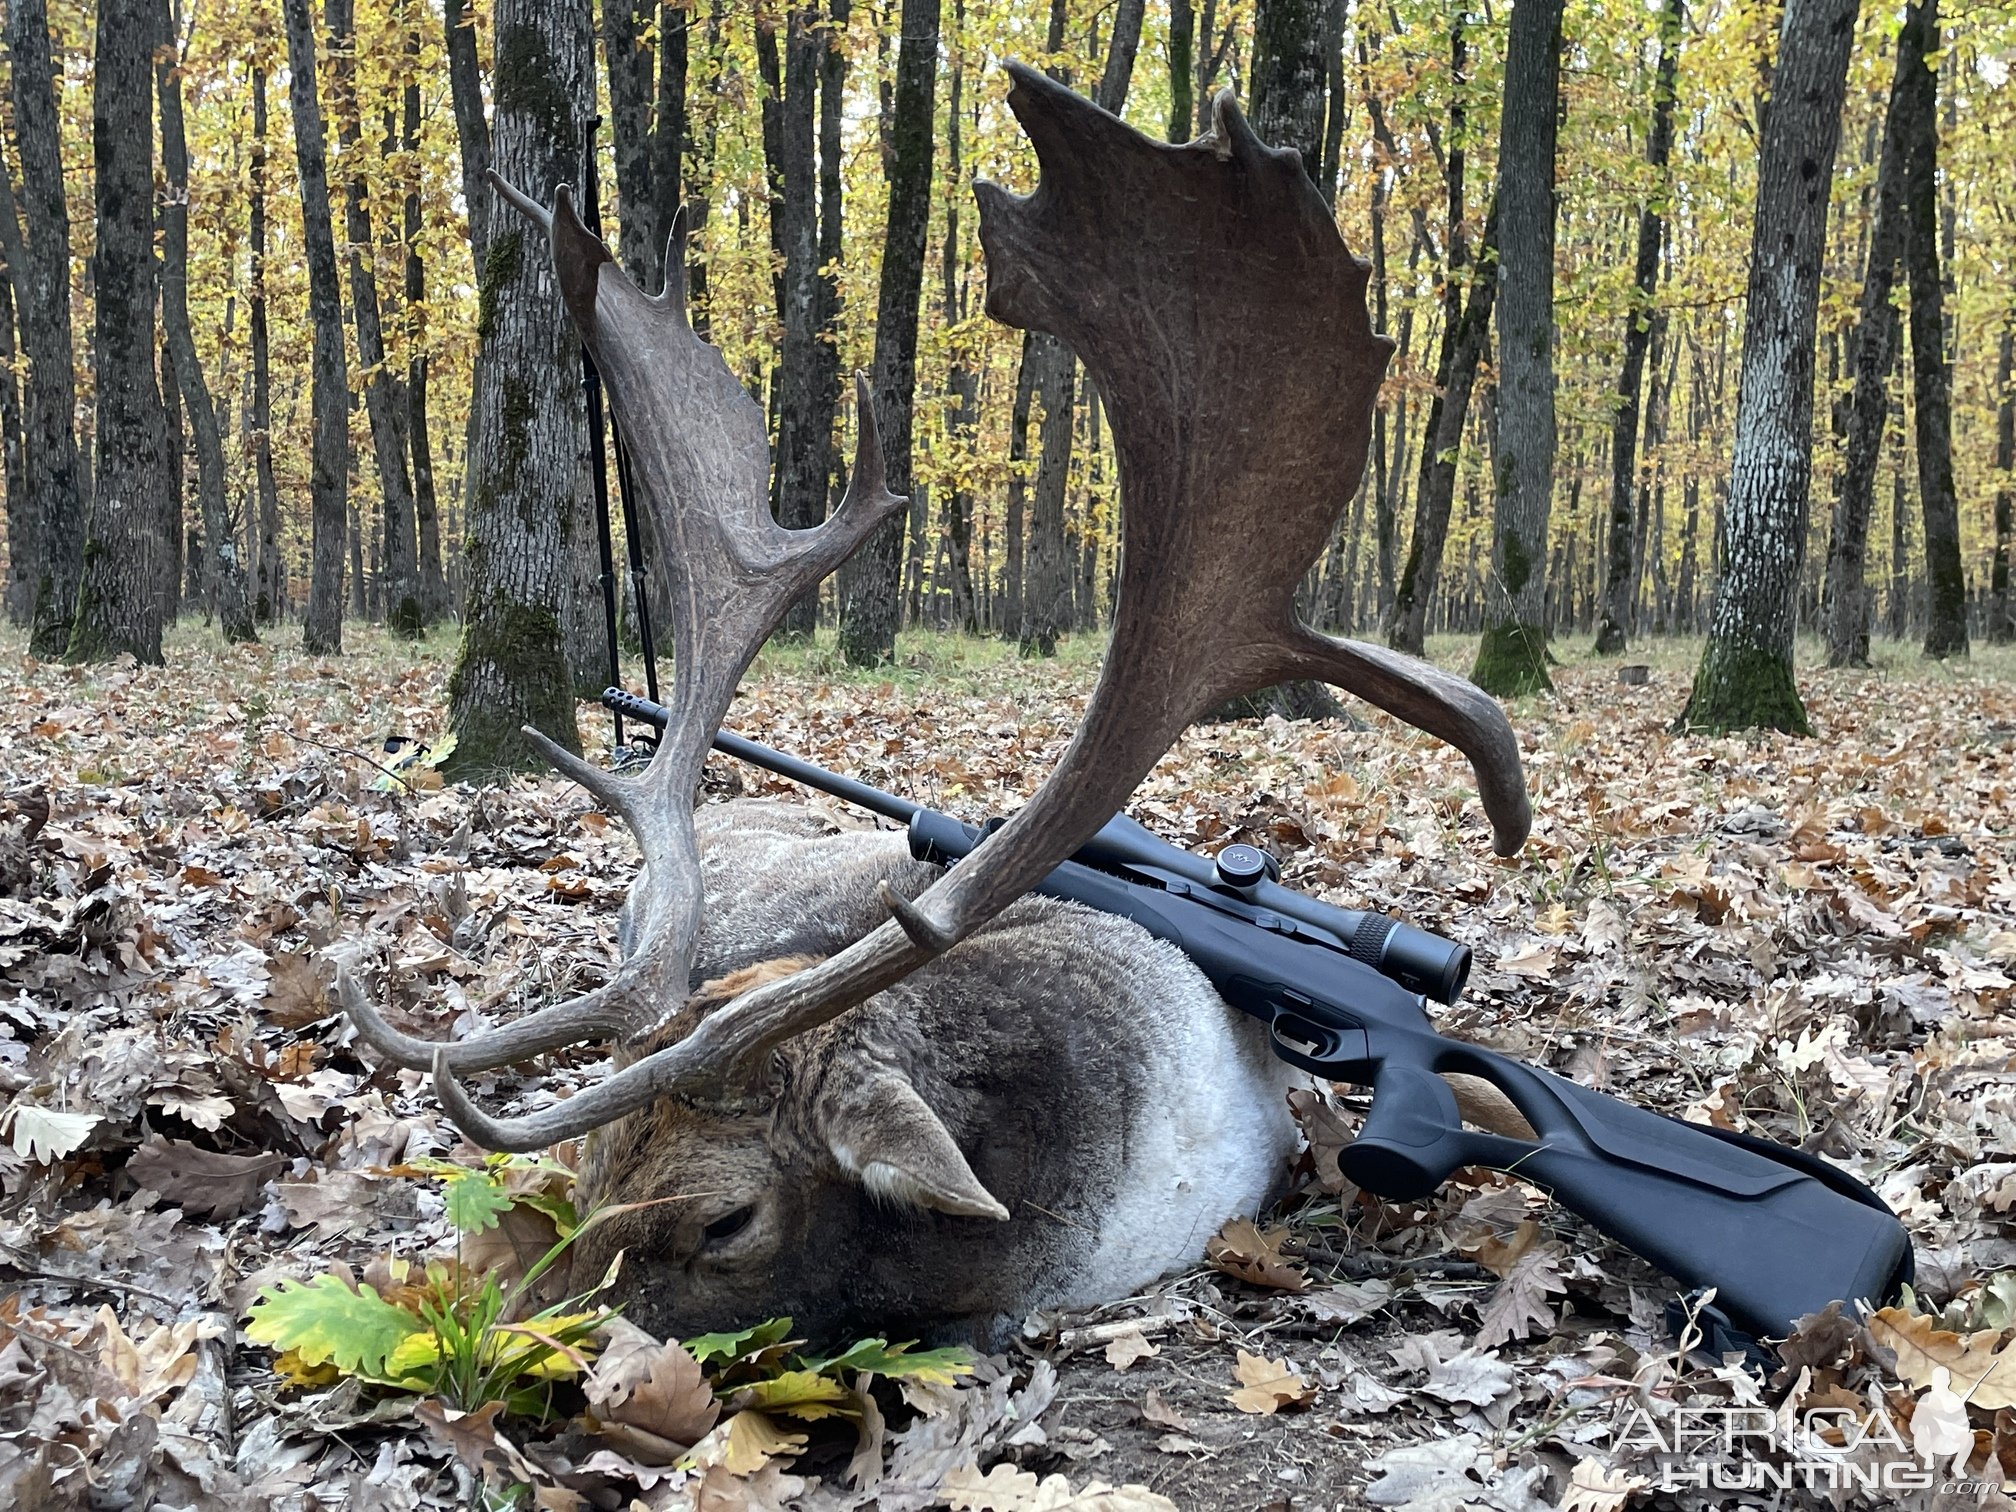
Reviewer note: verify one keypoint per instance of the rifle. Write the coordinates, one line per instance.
(1776, 1232)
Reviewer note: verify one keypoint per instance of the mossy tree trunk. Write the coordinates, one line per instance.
(119, 604)
(57, 483)
(1512, 659)
(224, 567)
(1745, 679)
(804, 422)
(531, 428)
(329, 469)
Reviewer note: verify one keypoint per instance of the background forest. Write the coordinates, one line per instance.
(822, 156)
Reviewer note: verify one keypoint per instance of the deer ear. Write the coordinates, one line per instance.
(886, 1137)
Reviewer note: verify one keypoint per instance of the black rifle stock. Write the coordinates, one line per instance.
(1776, 1232)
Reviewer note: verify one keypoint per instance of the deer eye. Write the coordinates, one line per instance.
(728, 1225)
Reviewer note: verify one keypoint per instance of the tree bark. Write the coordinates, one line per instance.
(1932, 378)
(1620, 571)
(870, 584)
(1014, 546)
(58, 487)
(472, 128)
(1289, 79)
(802, 443)
(329, 487)
(1512, 657)
(399, 583)
(1441, 446)
(1871, 360)
(118, 603)
(1182, 63)
(1465, 325)
(226, 573)
(434, 603)
(1745, 680)
(513, 667)
(20, 587)
(631, 91)
(270, 567)
(1050, 564)
(2001, 628)
(962, 383)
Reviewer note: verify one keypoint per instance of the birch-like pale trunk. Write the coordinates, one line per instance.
(1745, 679)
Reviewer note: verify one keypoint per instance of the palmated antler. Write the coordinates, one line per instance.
(1208, 292)
(700, 461)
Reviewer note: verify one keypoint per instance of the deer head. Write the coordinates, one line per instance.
(1207, 290)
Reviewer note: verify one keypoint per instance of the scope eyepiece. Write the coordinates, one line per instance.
(1424, 963)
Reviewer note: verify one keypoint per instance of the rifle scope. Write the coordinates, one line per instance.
(1418, 961)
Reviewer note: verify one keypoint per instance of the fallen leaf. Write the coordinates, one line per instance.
(1594, 1487)
(1240, 1249)
(202, 1182)
(1007, 1489)
(1982, 1374)
(1266, 1386)
(1130, 1348)
(45, 1135)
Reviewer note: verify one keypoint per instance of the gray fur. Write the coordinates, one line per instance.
(1054, 1046)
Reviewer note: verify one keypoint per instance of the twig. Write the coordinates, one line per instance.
(356, 754)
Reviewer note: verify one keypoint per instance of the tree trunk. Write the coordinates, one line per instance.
(1182, 61)
(631, 91)
(802, 438)
(322, 629)
(399, 582)
(1441, 447)
(2001, 629)
(1050, 564)
(1014, 547)
(513, 668)
(1620, 572)
(426, 504)
(58, 486)
(1289, 79)
(1931, 377)
(1872, 359)
(1745, 680)
(472, 129)
(225, 572)
(167, 489)
(270, 567)
(20, 588)
(118, 604)
(870, 583)
(1046, 567)
(1455, 370)
(962, 383)
(1512, 658)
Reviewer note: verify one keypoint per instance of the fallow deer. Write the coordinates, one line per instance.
(888, 1093)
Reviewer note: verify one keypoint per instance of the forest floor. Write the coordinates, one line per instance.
(1813, 940)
